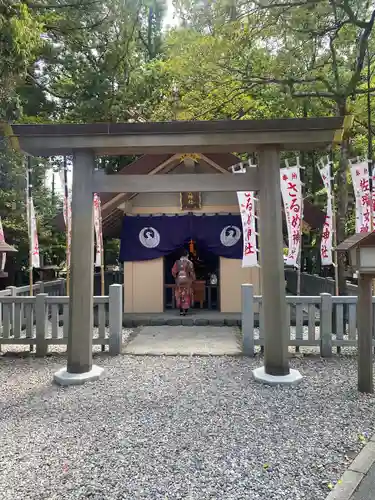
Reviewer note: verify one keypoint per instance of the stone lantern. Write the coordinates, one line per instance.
(5, 248)
(360, 249)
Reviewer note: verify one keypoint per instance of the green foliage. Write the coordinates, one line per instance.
(20, 42)
(88, 61)
(13, 209)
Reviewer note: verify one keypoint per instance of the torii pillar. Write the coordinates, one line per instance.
(276, 367)
(79, 367)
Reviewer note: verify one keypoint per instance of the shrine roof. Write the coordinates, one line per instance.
(5, 248)
(358, 239)
(112, 215)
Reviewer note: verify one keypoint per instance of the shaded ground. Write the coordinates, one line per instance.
(177, 428)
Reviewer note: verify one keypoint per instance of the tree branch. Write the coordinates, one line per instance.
(362, 46)
(77, 5)
(334, 63)
(344, 5)
(46, 89)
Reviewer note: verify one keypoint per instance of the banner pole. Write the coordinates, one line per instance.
(335, 256)
(29, 225)
(30, 228)
(67, 226)
(299, 261)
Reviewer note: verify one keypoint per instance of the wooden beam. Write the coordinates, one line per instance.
(214, 165)
(120, 198)
(207, 142)
(104, 183)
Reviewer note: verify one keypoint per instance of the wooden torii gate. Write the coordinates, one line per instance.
(265, 137)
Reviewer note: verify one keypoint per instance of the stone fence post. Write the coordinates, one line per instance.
(115, 319)
(13, 292)
(247, 317)
(326, 325)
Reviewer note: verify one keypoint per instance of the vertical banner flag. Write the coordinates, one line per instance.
(247, 210)
(33, 235)
(31, 224)
(361, 184)
(326, 245)
(291, 191)
(67, 211)
(98, 230)
(2, 255)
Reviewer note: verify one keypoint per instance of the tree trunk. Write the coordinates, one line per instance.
(342, 202)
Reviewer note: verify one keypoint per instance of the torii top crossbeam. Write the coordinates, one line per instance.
(177, 137)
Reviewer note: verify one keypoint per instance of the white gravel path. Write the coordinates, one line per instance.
(174, 428)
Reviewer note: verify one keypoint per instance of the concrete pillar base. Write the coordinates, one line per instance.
(293, 378)
(63, 377)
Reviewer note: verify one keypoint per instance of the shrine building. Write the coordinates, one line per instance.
(155, 227)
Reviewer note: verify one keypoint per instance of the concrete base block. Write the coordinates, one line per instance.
(63, 377)
(293, 378)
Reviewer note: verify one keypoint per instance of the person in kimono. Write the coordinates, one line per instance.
(184, 276)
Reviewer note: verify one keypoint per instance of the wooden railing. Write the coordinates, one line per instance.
(43, 320)
(324, 320)
(58, 286)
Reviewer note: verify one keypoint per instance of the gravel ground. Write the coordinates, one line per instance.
(177, 428)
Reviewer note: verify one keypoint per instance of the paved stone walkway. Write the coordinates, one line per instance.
(185, 340)
(366, 488)
(358, 482)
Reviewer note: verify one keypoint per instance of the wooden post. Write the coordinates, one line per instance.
(364, 318)
(335, 256)
(81, 265)
(247, 320)
(102, 280)
(40, 324)
(115, 319)
(325, 325)
(13, 292)
(271, 257)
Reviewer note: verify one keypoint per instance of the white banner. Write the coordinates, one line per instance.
(361, 186)
(247, 210)
(33, 237)
(3, 255)
(291, 191)
(67, 211)
(98, 230)
(326, 245)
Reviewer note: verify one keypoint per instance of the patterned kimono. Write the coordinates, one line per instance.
(184, 292)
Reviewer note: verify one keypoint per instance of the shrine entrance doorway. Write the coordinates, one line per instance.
(207, 271)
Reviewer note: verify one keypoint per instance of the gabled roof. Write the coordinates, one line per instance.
(5, 248)
(358, 239)
(163, 163)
